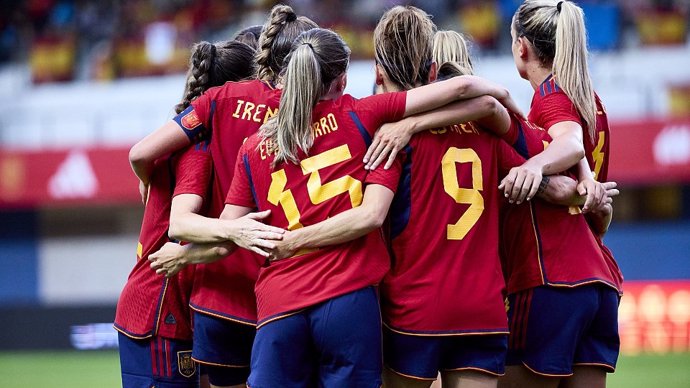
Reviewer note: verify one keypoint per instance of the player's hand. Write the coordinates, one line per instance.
(522, 183)
(388, 141)
(168, 260)
(605, 206)
(144, 192)
(595, 192)
(282, 250)
(250, 233)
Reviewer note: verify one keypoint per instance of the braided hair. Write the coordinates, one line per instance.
(213, 65)
(280, 31)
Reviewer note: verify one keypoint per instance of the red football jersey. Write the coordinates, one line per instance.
(446, 274)
(328, 181)
(226, 116)
(545, 243)
(151, 304)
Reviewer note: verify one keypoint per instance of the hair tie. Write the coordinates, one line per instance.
(213, 50)
(291, 17)
(308, 44)
(558, 6)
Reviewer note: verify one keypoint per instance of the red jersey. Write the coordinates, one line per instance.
(446, 275)
(151, 304)
(328, 181)
(226, 115)
(551, 106)
(546, 244)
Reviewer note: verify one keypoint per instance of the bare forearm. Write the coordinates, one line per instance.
(344, 227)
(195, 228)
(207, 253)
(559, 156)
(562, 190)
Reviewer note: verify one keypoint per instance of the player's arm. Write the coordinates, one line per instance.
(343, 227)
(600, 219)
(393, 137)
(173, 257)
(563, 190)
(464, 87)
(161, 142)
(237, 224)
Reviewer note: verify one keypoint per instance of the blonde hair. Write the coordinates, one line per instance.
(450, 46)
(277, 36)
(318, 57)
(403, 39)
(556, 30)
(452, 54)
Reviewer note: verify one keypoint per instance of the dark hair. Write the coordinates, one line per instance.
(249, 36)
(279, 32)
(215, 64)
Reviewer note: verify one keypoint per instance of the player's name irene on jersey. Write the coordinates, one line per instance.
(457, 128)
(258, 113)
(322, 126)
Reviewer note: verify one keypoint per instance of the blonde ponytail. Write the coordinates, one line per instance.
(570, 68)
(556, 30)
(317, 58)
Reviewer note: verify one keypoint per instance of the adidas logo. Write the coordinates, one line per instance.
(74, 178)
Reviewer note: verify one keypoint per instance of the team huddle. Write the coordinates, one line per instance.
(308, 238)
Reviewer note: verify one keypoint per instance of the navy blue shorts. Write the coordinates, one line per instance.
(335, 344)
(158, 362)
(554, 328)
(422, 357)
(224, 348)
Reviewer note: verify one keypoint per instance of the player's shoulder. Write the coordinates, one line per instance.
(242, 88)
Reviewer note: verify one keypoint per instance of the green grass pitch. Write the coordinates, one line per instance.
(101, 369)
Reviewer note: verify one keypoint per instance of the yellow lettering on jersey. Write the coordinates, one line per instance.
(319, 192)
(237, 110)
(472, 197)
(598, 154)
(270, 113)
(267, 147)
(324, 125)
(140, 249)
(277, 194)
(247, 114)
(259, 109)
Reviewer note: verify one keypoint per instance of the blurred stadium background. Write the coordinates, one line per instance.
(82, 80)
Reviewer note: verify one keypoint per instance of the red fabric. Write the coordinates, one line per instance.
(229, 114)
(433, 266)
(548, 244)
(337, 153)
(150, 304)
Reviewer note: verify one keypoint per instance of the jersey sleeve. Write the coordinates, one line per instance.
(193, 171)
(195, 121)
(388, 178)
(507, 158)
(374, 111)
(241, 192)
(555, 108)
(525, 137)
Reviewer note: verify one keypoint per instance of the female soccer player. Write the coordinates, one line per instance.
(223, 294)
(152, 313)
(308, 304)
(549, 341)
(450, 50)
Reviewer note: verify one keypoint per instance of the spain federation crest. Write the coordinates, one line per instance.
(190, 120)
(185, 365)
